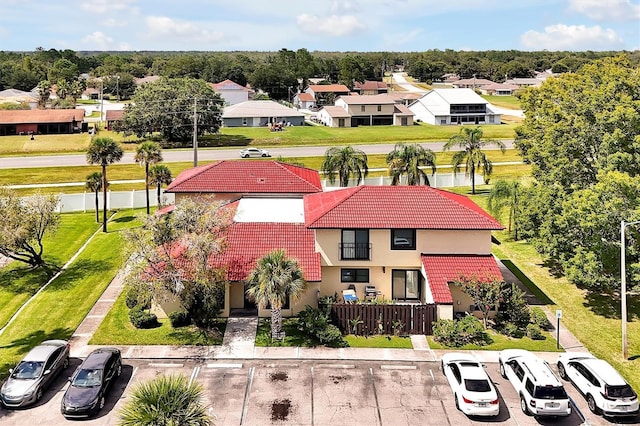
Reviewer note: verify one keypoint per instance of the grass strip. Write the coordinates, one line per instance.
(500, 342)
(380, 342)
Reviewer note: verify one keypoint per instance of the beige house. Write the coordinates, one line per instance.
(365, 110)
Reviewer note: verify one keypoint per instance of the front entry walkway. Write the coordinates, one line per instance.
(239, 338)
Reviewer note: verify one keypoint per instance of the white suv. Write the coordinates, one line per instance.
(603, 387)
(541, 392)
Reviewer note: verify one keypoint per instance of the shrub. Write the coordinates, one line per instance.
(141, 318)
(315, 323)
(513, 310)
(534, 332)
(137, 296)
(511, 330)
(332, 336)
(179, 318)
(539, 318)
(456, 333)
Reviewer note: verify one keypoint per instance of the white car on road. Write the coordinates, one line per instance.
(473, 390)
(603, 387)
(254, 152)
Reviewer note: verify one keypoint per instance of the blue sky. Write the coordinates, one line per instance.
(326, 25)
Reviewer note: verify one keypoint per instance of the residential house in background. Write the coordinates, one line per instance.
(41, 121)
(112, 116)
(326, 94)
(454, 106)
(499, 89)
(15, 96)
(304, 100)
(260, 114)
(471, 83)
(366, 110)
(525, 82)
(369, 87)
(232, 92)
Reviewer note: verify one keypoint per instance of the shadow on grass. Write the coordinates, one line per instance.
(293, 336)
(124, 219)
(192, 335)
(78, 270)
(542, 298)
(608, 305)
(20, 278)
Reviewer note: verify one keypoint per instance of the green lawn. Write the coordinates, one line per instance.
(500, 342)
(18, 282)
(116, 329)
(509, 102)
(393, 342)
(59, 309)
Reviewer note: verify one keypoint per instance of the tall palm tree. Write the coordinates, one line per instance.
(410, 160)
(471, 142)
(104, 151)
(275, 278)
(164, 401)
(506, 195)
(94, 184)
(159, 175)
(345, 162)
(147, 153)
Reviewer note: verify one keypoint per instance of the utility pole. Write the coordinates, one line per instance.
(101, 103)
(195, 132)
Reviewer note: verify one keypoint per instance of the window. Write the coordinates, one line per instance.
(403, 239)
(353, 275)
(355, 244)
(379, 108)
(362, 108)
(406, 284)
(529, 386)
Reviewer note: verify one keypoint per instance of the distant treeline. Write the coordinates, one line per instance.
(280, 73)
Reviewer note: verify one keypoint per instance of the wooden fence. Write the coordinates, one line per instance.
(384, 319)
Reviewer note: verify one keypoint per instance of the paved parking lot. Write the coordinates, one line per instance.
(313, 393)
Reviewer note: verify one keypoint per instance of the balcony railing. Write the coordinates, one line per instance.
(355, 251)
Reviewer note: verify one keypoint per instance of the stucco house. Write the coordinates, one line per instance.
(365, 110)
(260, 114)
(325, 94)
(409, 242)
(471, 83)
(369, 87)
(113, 116)
(454, 106)
(41, 121)
(232, 92)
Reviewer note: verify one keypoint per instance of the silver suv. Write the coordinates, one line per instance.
(541, 392)
(603, 387)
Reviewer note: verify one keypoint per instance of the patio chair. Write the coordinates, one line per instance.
(349, 296)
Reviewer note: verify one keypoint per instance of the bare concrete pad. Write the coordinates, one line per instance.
(280, 395)
(224, 393)
(344, 396)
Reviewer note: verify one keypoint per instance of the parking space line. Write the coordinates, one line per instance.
(194, 374)
(224, 365)
(375, 395)
(165, 365)
(312, 396)
(281, 366)
(445, 411)
(433, 379)
(246, 396)
(128, 354)
(334, 366)
(397, 367)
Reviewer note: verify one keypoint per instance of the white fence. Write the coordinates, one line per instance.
(436, 180)
(115, 200)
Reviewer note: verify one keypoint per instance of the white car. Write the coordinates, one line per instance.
(603, 387)
(254, 152)
(473, 390)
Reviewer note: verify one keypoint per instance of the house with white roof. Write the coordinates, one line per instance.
(454, 106)
(260, 114)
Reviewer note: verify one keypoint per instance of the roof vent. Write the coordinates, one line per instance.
(261, 180)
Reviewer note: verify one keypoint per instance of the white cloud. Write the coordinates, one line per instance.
(613, 10)
(164, 27)
(113, 23)
(106, 6)
(572, 37)
(333, 25)
(100, 41)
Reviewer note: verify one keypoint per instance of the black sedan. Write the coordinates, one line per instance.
(90, 383)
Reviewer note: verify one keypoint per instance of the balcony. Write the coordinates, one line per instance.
(355, 251)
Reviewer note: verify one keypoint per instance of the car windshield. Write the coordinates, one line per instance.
(550, 392)
(477, 385)
(27, 370)
(620, 392)
(88, 378)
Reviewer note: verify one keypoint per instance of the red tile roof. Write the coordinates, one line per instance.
(228, 85)
(306, 97)
(114, 114)
(329, 88)
(244, 177)
(36, 116)
(247, 242)
(370, 85)
(385, 207)
(441, 269)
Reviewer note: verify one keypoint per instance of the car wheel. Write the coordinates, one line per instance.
(245, 156)
(562, 371)
(523, 406)
(65, 363)
(264, 155)
(455, 397)
(591, 402)
(502, 372)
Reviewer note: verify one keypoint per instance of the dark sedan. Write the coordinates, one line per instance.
(91, 382)
(37, 370)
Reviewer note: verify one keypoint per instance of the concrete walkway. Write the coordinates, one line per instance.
(239, 342)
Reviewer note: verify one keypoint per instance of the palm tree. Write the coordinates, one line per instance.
(506, 195)
(164, 401)
(409, 160)
(345, 162)
(104, 151)
(147, 153)
(159, 175)
(275, 278)
(44, 90)
(94, 184)
(470, 140)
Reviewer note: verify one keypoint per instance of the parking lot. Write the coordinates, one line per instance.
(317, 393)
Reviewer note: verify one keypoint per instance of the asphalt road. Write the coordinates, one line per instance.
(208, 154)
(295, 392)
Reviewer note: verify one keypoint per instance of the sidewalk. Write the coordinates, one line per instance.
(239, 339)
